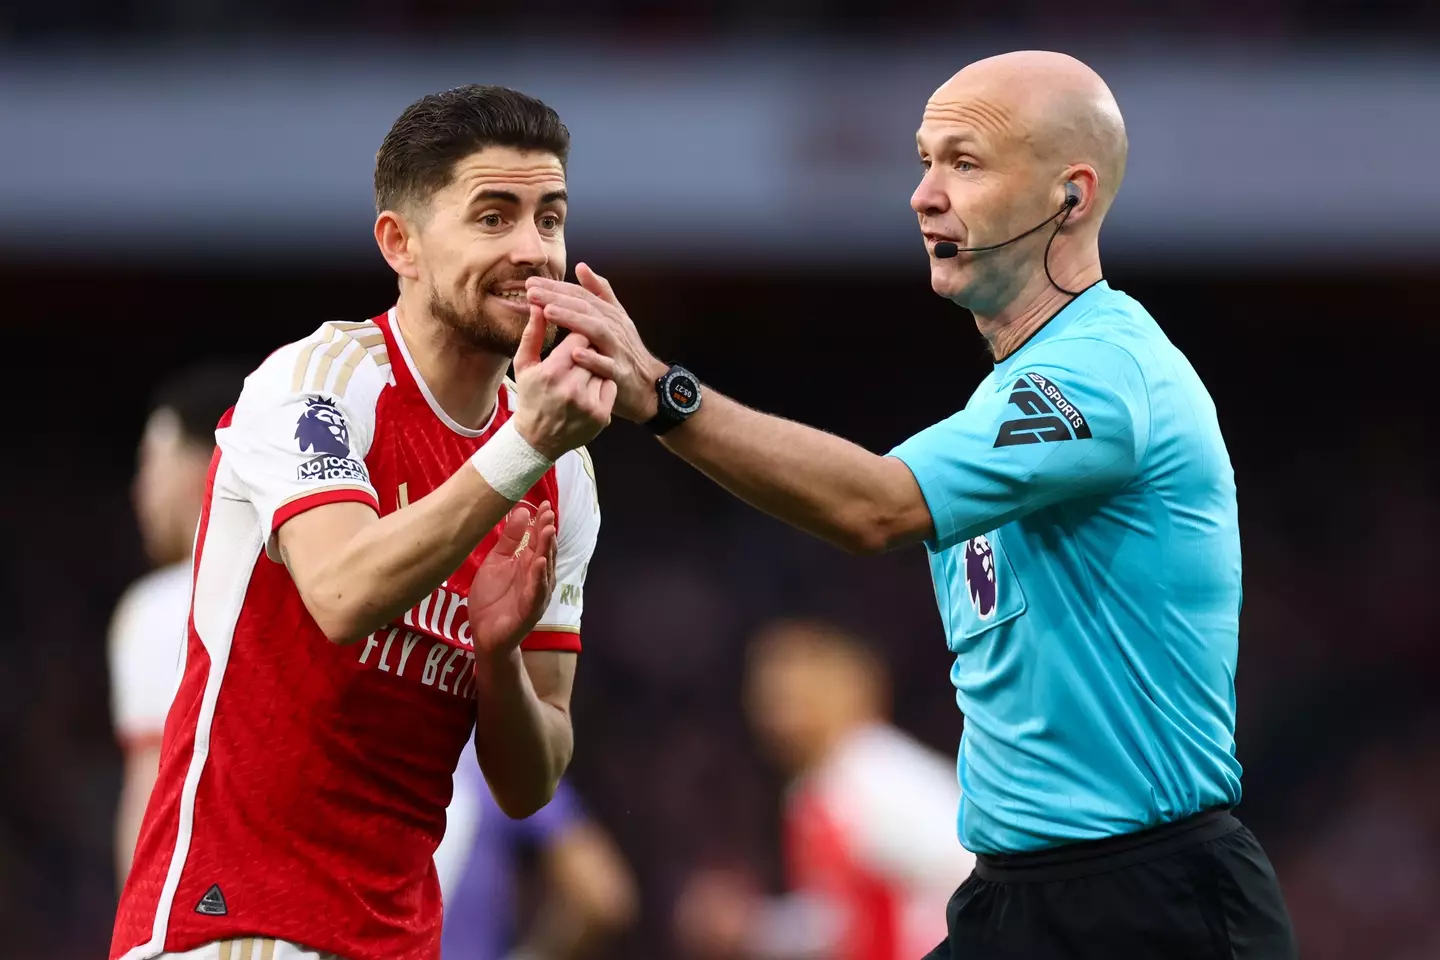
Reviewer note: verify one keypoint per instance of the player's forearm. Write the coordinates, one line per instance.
(522, 742)
(818, 482)
(391, 564)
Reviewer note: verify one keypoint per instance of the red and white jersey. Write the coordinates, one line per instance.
(870, 839)
(147, 635)
(303, 784)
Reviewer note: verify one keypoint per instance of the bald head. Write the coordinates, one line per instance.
(1049, 104)
(1002, 142)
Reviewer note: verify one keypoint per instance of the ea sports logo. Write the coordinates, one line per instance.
(980, 576)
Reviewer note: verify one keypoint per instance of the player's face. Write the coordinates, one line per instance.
(168, 489)
(501, 220)
(981, 185)
(785, 701)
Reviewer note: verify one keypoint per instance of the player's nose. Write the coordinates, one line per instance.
(529, 248)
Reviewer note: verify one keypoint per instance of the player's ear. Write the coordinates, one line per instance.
(396, 240)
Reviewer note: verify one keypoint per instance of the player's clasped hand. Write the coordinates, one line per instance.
(612, 347)
(512, 587)
(562, 405)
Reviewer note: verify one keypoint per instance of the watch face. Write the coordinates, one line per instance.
(682, 391)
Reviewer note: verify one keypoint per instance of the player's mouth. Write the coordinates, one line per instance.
(511, 294)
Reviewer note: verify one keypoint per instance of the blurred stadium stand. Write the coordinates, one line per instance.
(190, 178)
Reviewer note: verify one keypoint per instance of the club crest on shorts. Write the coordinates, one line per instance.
(980, 576)
(322, 429)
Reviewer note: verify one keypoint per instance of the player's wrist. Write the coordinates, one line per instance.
(510, 462)
(499, 667)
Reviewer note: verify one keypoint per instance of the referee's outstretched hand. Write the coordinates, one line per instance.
(616, 352)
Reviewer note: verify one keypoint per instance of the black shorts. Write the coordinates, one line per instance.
(1197, 889)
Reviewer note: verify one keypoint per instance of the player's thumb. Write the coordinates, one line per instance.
(532, 340)
(516, 529)
(595, 283)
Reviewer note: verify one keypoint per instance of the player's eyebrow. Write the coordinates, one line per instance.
(506, 196)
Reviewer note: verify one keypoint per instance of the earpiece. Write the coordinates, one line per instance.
(1072, 194)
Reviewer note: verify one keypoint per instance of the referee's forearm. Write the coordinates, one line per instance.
(818, 482)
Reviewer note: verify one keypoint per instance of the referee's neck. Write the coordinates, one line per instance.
(1008, 328)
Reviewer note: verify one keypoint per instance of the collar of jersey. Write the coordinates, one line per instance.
(1088, 299)
(435, 408)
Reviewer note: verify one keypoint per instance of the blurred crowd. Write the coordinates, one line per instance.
(652, 19)
(1337, 728)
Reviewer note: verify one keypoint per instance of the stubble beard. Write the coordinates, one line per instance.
(476, 328)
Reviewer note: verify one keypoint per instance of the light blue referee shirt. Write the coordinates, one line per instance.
(1087, 567)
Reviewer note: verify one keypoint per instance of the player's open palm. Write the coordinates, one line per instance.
(513, 585)
(562, 405)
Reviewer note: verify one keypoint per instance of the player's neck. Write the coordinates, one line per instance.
(1008, 326)
(465, 382)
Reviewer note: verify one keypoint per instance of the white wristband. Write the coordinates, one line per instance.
(509, 464)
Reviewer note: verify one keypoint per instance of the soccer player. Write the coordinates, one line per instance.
(588, 894)
(391, 555)
(869, 826)
(1081, 522)
(147, 631)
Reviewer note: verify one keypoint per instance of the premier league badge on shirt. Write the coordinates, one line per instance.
(322, 430)
(980, 576)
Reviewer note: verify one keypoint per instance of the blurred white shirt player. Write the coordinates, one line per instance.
(870, 851)
(147, 630)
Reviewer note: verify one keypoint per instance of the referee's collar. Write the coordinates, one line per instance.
(1066, 315)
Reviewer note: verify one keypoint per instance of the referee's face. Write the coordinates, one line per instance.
(980, 184)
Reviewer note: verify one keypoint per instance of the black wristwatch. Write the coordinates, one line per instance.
(679, 394)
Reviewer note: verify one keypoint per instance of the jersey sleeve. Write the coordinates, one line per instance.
(147, 637)
(1072, 420)
(579, 520)
(304, 424)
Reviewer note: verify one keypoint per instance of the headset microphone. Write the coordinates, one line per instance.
(945, 249)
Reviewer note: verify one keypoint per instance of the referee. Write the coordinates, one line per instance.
(1080, 518)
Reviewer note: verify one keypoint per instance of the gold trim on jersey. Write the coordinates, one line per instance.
(590, 472)
(327, 359)
(302, 362)
(335, 337)
(247, 949)
(347, 369)
(555, 628)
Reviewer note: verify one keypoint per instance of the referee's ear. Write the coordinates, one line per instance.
(1083, 183)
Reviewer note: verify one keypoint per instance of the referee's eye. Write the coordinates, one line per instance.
(964, 166)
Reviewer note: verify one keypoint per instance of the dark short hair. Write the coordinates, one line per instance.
(199, 396)
(419, 154)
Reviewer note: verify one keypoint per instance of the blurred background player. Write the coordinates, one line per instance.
(147, 632)
(585, 891)
(870, 852)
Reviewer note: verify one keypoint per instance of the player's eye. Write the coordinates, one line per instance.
(964, 166)
(550, 222)
(491, 220)
(924, 164)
